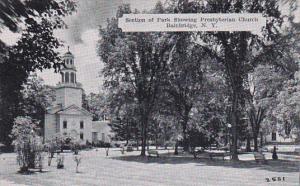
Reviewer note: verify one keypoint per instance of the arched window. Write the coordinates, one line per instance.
(62, 77)
(67, 77)
(71, 61)
(72, 77)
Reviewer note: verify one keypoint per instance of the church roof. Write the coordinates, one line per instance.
(73, 109)
(69, 53)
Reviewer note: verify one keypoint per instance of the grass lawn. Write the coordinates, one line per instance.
(131, 169)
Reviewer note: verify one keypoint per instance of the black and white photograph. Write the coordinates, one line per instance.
(149, 92)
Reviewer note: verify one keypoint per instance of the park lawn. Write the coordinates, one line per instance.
(131, 169)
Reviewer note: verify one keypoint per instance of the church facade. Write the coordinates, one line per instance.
(66, 117)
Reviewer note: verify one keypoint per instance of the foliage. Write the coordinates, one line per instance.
(264, 85)
(97, 105)
(16, 11)
(241, 52)
(27, 143)
(209, 115)
(36, 98)
(102, 144)
(124, 124)
(35, 50)
(134, 65)
(287, 112)
(185, 79)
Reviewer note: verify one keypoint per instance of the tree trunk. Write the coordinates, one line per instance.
(156, 142)
(148, 146)
(176, 148)
(185, 141)
(261, 139)
(137, 144)
(248, 145)
(255, 143)
(184, 128)
(144, 135)
(234, 125)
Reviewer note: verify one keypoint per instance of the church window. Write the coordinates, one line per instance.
(273, 136)
(65, 124)
(81, 125)
(67, 77)
(81, 136)
(71, 61)
(72, 77)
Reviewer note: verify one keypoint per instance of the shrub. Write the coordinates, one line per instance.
(103, 144)
(77, 159)
(60, 161)
(28, 144)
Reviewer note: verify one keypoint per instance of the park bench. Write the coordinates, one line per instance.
(218, 154)
(153, 152)
(259, 157)
(211, 155)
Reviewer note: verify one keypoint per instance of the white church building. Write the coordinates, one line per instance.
(66, 117)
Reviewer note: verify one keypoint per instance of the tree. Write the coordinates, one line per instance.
(15, 11)
(209, 115)
(240, 52)
(265, 83)
(35, 50)
(97, 104)
(36, 98)
(287, 111)
(137, 63)
(27, 143)
(185, 80)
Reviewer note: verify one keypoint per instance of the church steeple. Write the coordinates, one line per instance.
(68, 90)
(68, 73)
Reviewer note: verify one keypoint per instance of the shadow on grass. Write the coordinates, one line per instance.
(272, 165)
(31, 172)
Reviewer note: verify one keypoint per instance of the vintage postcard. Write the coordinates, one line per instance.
(149, 92)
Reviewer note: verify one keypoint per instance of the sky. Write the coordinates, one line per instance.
(82, 37)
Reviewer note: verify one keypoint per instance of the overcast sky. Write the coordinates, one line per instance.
(82, 36)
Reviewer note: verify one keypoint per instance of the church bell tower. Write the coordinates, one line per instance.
(69, 91)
